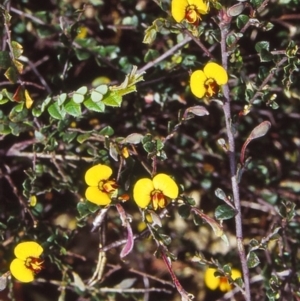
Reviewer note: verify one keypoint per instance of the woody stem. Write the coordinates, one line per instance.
(224, 27)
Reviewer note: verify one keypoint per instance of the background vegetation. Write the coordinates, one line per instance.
(54, 127)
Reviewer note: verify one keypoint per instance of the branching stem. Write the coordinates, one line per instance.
(224, 26)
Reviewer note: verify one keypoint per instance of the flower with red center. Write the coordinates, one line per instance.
(189, 10)
(156, 191)
(27, 262)
(220, 282)
(207, 82)
(101, 189)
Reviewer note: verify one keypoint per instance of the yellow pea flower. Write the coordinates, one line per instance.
(100, 189)
(27, 262)
(207, 82)
(213, 282)
(190, 10)
(157, 191)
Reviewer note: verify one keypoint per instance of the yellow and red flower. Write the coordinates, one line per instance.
(101, 189)
(156, 191)
(207, 82)
(27, 262)
(189, 10)
(220, 282)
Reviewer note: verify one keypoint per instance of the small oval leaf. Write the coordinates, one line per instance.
(252, 260)
(198, 111)
(133, 138)
(102, 89)
(96, 96)
(236, 9)
(260, 130)
(220, 194)
(82, 90)
(224, 212)
(78, 98)
(61, 98)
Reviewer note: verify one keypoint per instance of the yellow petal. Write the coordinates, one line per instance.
(211, 281)
(235, 274)
(216, 72)
(178, 9)
(201, 7)
(142, 192)
(166, 185)
(20, 272)
(28, 249)
(96, 174)
(96, 196)
(225, 286)
(197, 82)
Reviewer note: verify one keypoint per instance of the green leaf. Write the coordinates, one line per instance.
(197, 110)
(61, 98)
(241, 21)
(113, 151)
(45, 103)
(17, 128)
(36, 112)
(126, 87)
(78, 96)
(69, 137)
(233, 38)
(82, 54)
(82, 90)
(184, 211)
(107, 131)
(150, 34)
(259, 46)
(166, 239)
(126, 283)
(83, 137)
(87, 207)
(93, 106)
(73, 108)
(256, 3)
(19, 107)
(236, 9)
(3, 100)
(17, 49)
(133, 138)
(12, 74)
(113, 99)
(99, 92)
(103, 89)
(252, 260)
(4, 129)
(224, 212)
(150, 55)
(56, 111)
(96, 96)
(149, 147)
(18, 113)
(265, 55)
(5, 60)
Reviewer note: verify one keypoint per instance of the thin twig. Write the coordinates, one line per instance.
(199, 43)
(165, 55)
(72, 286)
(267, 79)
(20, 198)
(28, 16)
